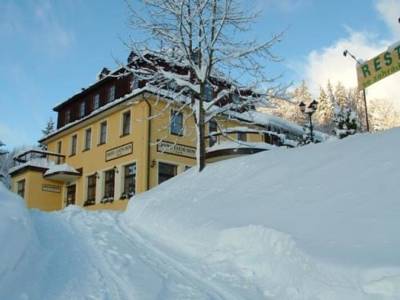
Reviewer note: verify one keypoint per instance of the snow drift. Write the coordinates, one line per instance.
(17, 236)
(318, 222)
(306, 222)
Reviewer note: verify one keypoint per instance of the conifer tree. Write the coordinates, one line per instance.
(47, 130)
(325, 112)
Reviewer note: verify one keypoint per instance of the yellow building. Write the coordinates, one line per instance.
(120, 137)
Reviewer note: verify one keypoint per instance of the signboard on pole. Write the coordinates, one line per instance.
(379, 67)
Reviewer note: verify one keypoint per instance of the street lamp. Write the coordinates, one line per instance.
(345, 53)
(309, 111)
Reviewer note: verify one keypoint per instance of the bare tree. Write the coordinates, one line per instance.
(204, 53)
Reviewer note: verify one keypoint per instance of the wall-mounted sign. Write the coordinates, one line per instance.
(52, 188)
(119, 151)
(379, 67)
(176, 149)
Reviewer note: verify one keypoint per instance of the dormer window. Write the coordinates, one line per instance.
(208, 92)
(134, 83)
(96, 102)
(111, 93)
(67, 116)
(236, 98)
(82, 109)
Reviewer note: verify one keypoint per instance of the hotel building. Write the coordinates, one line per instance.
(121, 136)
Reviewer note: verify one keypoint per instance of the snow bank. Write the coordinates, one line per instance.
(17, 236)
(318, 222)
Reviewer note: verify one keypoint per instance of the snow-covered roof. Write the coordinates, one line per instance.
(266, 119)
(62, 168)
(239, 145)
(258, 118)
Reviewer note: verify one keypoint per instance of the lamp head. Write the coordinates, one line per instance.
(313, 105)
(345, 53)
(302, 107)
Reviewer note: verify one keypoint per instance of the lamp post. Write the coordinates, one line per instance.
(345, 53)
(309, 111)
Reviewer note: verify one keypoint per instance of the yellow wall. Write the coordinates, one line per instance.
(35, 196)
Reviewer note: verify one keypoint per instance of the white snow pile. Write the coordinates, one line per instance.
(17, 236)
(318, 222)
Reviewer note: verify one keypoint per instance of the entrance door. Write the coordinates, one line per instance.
(71, 189)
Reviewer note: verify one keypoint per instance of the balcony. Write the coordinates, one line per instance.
(51, 164)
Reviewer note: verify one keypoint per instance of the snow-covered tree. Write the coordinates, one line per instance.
(204, 39)
(47, 130)
(6, 162)
(289, 109)
(383, 115)
(346, 122)
(325, 111)
(341, 95)
(2, 151)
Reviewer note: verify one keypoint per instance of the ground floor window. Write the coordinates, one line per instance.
(71, 194)
(129, 181)
(166, 171)
(91, 190)
(21, 188)
(109, 183)
(242, 136)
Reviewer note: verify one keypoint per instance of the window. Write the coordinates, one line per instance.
(82, 109)
(212, 128)
(111, 93)
(267, 138)
(74, 139)
(59, 145)
(96, 101)
(126, 123)
(134, 83)
(166, 171)
(236, 99)
(109, 184)
(21, 188)
(71, 189)
(242, 136)
(103, 133)
(91, 190)
(129, 180)
(88, 139)
(67, 116)
(208, 91)
(176, 123)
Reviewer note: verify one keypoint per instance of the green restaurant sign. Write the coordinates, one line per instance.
(379, 67)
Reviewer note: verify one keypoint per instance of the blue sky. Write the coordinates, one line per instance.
(51, 49)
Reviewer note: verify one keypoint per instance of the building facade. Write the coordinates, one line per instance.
(119, 137)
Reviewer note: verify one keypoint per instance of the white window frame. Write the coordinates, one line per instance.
(106, 135)
(72, 153)
(96, 101)
(82, 109)
(84, 139)
(122, 123)
(170, 122)
(111, 94)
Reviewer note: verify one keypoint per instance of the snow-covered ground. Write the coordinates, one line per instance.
(318, 222)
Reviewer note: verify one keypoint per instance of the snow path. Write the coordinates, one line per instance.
(94, 255)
